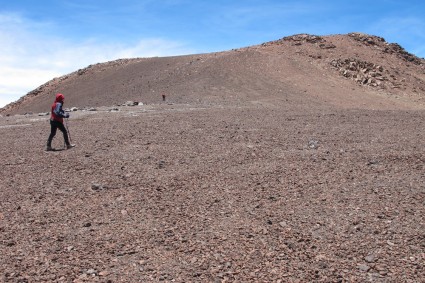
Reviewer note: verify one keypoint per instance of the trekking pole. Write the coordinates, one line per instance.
(67, 129)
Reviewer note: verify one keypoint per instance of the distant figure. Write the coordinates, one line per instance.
(56, 122)
(163, 97)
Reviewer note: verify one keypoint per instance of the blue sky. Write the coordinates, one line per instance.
(41, 40)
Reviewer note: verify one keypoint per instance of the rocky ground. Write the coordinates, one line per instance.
(248, 192)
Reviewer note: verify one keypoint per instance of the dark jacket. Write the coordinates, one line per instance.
(57, 113)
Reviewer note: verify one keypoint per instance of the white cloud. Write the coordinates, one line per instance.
(30, 55)
(15, 82)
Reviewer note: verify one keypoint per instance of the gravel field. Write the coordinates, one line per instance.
(181, 193)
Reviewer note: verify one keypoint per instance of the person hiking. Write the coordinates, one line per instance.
(56, 122)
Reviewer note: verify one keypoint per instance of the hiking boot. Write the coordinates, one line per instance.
(70, 146)
(49, 148)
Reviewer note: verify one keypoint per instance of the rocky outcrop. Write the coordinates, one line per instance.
(400, 52)
(365, 73)
(367, 39)
(300, 39)
(391, 48)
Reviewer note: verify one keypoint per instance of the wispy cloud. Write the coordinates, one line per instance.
(30, 55)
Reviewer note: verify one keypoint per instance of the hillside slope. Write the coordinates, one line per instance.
(350, 71)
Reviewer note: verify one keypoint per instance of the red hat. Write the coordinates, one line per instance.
(60, 97)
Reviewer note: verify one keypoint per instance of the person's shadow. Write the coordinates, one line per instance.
(55, 149)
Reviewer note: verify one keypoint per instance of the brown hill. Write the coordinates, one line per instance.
(354, 70)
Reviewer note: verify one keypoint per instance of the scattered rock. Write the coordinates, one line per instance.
(283, 223)
(96, 187)
(131, 103)
(327, 46)
(313, 144)
(104, 273)
(81, 72)
(372, 162)
(161, 164)
(91, 272)
(370, 258)
(363, 267)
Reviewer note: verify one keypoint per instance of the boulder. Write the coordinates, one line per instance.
(130, 103)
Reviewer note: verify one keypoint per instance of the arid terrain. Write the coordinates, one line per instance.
(298, 160)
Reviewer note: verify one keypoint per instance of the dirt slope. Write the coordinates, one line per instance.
(283, 162)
